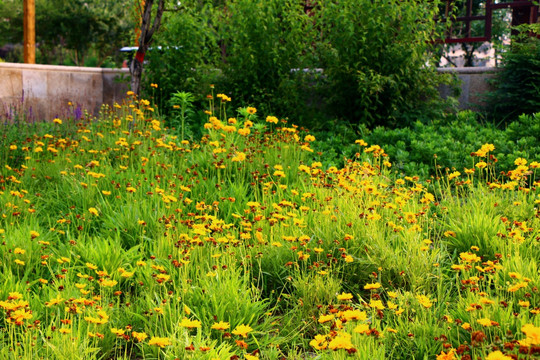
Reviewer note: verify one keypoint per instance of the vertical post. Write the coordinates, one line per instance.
(468, 21)
(489, 20)
(29, 24)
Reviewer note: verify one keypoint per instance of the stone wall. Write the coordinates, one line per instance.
(474, 82)
(44, 91)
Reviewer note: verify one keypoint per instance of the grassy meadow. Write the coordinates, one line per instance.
(122, 240)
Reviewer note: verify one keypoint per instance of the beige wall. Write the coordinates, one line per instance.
(474, 82)
(47, 89)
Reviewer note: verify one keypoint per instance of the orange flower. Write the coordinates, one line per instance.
(447, 356)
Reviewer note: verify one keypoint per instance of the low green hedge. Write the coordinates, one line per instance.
(417, 149)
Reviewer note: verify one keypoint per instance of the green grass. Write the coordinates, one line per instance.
(115, 227)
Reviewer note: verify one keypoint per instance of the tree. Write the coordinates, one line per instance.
(70, 29)
(148, 28)
(81, 27)
(11, 29)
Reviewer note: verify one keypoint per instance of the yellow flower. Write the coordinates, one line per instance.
(484, 322)
(139, 336)
(517, 286)
(372, 286)
(353, 315)
(481, 165)
(424, 301)
(319, 342)
(54, 301)
(222, 325)
(344, 296)
(109, 283)
(361, 329)
(341, 341)
(251, 110)
(361, 142)
(91, 266)
(325, 318)
(497, 355)
(240, 156)
(159, 341)
(520, 162)
(242, 330)
(376, 304)
(272, 119)
(93, 211)
(15, 296)
(127, 274)
(190, 324)
(533, 335)
(57, 121)
(118, 332)
(469, 257)
(244, 131)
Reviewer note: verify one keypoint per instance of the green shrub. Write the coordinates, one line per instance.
(188, 56)
(358, 62)
(376, 57)
(265, 46)
(418, 149)
(517, 90)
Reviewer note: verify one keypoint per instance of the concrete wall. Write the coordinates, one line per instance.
(474, 82)
(43, 91)
(47, 89)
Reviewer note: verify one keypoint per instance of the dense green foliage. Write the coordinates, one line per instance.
(374, 56)
(357, 61)
(420, 147)
(517, 87)
(73, 32)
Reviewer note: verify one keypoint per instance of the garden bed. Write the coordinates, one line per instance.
(121, 240)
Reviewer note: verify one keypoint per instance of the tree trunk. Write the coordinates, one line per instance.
(136, 69)
(147, 31)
